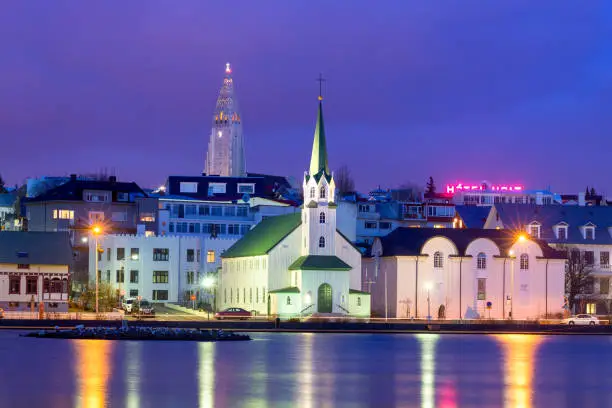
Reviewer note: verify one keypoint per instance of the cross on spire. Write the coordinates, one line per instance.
(320, 79)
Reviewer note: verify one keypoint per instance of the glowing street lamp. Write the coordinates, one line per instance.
(96, 231)
(512, 258)
(208, 283)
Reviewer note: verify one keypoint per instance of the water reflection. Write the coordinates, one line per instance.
(305, 378)
(133, 374)
(519, 362)
(92, 370)
(206, 374)
(428, 341)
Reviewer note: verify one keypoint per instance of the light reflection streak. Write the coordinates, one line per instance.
(519, 357)
(92, 370)
(428, 368)
(133, 373)
(305, 377)
(206, 374)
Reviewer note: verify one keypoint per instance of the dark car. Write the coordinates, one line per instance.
(233, 313)
(143, 308)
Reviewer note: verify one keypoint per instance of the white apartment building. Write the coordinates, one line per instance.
(167, 268)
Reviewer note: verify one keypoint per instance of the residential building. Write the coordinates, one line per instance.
(486, 194)
(297, 264)
(34, 269)
(157, 268)
(7, 211)
(463, 274)
(225, 156)
(584, 228)
(78, 204)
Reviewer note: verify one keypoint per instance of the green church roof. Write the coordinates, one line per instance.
(265, 236)
(318, 159)
(291, 289)
(320, 262)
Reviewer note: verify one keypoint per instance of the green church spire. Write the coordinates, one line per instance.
(318, 160)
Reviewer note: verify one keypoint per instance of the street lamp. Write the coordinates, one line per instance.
(208, 282)
(96, 231)
(428, 286)
(512, 258)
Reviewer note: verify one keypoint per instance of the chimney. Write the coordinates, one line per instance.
(581, 199)
(112, 179)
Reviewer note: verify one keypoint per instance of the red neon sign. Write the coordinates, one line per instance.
(454, 188)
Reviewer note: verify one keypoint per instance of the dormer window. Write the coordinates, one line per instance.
(534, 229)
(323, 192)
(562, 232)
(246, 188)
(589, 232)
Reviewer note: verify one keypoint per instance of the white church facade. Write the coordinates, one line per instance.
(297, 264)
(463, 274)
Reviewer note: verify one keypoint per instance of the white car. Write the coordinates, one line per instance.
(582, 319)
(127, 304)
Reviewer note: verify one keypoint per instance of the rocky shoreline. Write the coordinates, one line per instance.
(138, 333)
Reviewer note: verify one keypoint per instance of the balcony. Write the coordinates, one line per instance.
(412, 216)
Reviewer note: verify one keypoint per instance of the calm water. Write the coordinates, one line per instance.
(310, 370)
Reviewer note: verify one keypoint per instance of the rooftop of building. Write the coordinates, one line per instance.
(518, 216)
(40, 248)
(73, 189)
(410, 241)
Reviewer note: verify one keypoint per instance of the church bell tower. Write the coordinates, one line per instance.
(319, 211)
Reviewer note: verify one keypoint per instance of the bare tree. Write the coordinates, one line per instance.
(577, 275)
(431, 186)
(344, 181)
(3, 189)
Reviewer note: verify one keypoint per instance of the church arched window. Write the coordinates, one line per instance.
(288, 300)
(322, 218)
(481, 261)
(322, 242)
(438, 260)
(312, 192)
(323, 191)
(524, 262)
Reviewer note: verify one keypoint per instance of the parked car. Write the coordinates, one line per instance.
(233, 313)
(582, 319)
(127, 304)
(144, 308)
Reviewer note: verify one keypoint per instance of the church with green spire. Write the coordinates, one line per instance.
(297, 265)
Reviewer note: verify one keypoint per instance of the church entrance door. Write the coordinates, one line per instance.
(324, 301)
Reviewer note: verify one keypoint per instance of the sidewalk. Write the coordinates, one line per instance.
(187, 310)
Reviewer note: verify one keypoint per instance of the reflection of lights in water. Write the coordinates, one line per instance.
(206, 374)
(133, 373)
(519, 356)
(428, 368)
(305, 377)
(447, 394)
(92, 370)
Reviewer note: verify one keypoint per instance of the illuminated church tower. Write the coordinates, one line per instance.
(225, 156)
(319, 212)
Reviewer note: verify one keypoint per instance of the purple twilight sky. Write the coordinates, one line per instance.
(504, 91)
